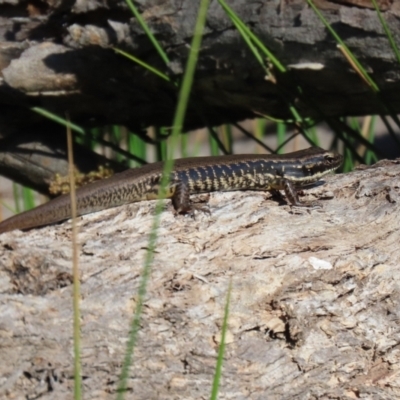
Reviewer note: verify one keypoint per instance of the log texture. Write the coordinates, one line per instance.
(314, 310)
(61, 58)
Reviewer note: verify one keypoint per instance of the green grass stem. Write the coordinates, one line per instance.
(221, 350)
(81, 131)
(137, 147)
(143, 64)
(76, 281)
(253, 137)
(370, 156)
(227, 139)
(213, 143)
(17, 195)
(217, 142)
(249, 36)
(58, 119)
(280, 135)
(176, 130)
(386, 107)
(387, 31)
(148, 32)
(354, 60)
(28, 198)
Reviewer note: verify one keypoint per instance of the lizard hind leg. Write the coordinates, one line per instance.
(291, 193)
(182, 203)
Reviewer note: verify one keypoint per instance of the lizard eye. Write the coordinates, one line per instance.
(329, 157)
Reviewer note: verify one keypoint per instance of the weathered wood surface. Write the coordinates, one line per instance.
(314, 311)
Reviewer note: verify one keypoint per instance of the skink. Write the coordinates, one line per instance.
(287, 172)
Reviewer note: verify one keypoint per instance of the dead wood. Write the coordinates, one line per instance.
(60, 57)
(314, 310)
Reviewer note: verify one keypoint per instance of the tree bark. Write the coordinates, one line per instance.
(61, 58)
(313, 314)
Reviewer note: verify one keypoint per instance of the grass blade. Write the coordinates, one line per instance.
(345, 49)
(249, 35)
(146, 29)
(58, 119)
(76, 282)
(176, 130)
(221, 350)
(387, 31)
(153, 70)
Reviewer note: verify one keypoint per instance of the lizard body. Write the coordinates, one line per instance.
(190, 175)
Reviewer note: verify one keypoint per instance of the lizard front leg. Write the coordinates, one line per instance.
(292, 195)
